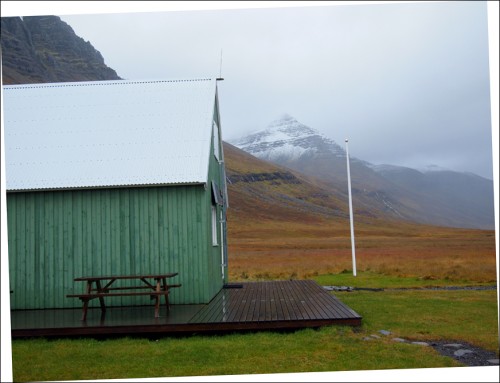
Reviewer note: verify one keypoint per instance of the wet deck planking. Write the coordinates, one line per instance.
(254, 306)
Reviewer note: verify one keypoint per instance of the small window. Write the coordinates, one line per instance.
(214, 226)
(215, 129)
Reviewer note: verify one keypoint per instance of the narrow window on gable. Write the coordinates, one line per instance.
(215, 129)
(214, 226)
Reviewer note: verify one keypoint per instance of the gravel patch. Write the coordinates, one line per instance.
(454, 345)
(465, 353)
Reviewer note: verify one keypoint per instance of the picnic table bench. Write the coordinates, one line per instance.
(155, 289)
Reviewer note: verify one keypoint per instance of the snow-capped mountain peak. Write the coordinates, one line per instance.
(287, 138)
(287, 127)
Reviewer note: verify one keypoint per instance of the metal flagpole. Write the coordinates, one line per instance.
(350, 209)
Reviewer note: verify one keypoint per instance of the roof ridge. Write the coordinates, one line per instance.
(99, 83)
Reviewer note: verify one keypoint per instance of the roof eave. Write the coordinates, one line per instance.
(74, 188)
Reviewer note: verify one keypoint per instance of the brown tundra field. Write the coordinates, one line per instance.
(270, 250)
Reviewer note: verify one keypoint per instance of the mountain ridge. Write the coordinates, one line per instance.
(457, 200)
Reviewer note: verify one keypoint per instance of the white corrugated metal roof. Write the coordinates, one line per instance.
(107, 133)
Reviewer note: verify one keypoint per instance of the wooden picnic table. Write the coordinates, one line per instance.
(94, 289)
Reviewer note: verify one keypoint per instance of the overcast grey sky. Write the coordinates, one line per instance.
(407, 83)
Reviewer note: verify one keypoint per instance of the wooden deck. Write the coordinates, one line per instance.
(254, 306)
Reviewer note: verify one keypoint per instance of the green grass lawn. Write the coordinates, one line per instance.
(469, 316)
(327, 349)
(463, 315)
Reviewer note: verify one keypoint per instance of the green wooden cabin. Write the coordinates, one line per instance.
(114, 177)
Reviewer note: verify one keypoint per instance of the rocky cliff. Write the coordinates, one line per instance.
(39, 49)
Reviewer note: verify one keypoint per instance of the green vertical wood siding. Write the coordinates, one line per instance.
(55, 236)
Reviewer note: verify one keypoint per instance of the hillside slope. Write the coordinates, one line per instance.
(260, 191)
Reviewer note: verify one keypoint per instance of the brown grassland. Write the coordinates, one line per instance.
(273, 249)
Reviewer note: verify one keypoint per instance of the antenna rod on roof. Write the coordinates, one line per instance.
(220, 68)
